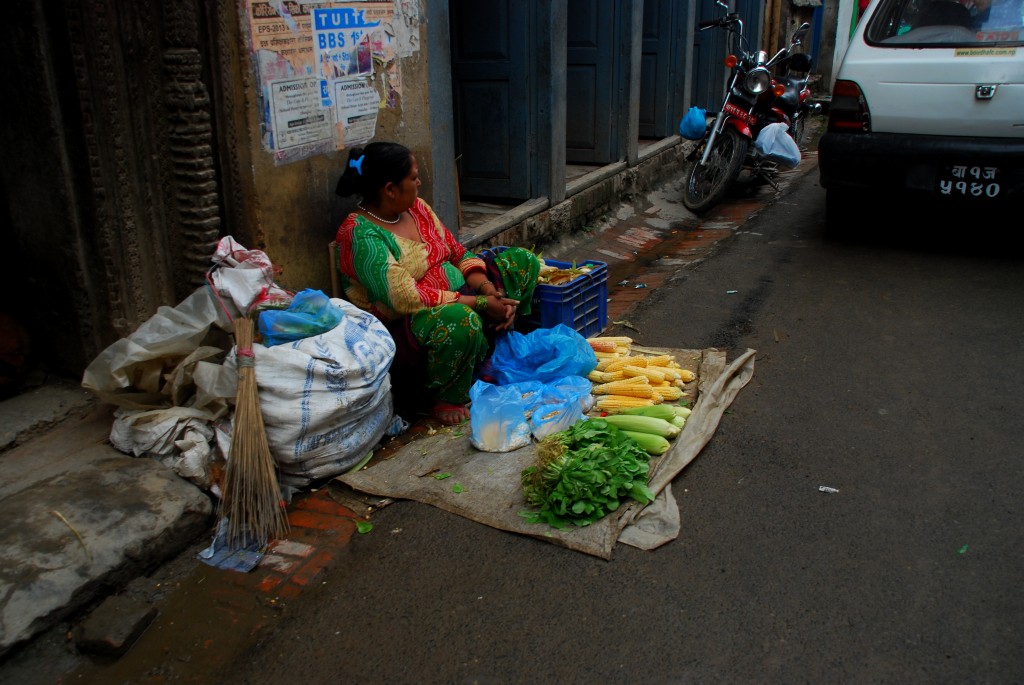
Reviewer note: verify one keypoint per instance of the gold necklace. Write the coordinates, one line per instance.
(383, 221)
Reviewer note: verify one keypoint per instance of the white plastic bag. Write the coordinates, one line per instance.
(179, 437)
(775, 142)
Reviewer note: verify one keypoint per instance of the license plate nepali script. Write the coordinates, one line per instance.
(739, 113)
(963, 180)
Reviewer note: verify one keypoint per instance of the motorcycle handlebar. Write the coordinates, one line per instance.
(727, 20)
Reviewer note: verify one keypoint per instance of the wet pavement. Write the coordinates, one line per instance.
(208, 616)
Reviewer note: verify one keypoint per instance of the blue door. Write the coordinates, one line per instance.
(662, 69)
(490, 93)
(592, 82)
(710, 47)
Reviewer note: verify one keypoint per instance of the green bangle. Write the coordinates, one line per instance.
(481, 304)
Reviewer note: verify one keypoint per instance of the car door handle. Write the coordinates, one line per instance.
(985, 91)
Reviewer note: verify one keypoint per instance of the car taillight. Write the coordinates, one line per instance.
(848, 111)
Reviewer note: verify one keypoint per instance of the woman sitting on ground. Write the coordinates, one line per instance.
(442, 304)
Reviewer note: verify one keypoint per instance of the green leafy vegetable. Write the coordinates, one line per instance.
(583, 473)
(364, 527)
(456, 488)
(442, 476)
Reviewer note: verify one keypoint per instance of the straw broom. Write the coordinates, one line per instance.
(252, 497)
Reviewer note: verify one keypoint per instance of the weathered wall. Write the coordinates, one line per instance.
(291, 210)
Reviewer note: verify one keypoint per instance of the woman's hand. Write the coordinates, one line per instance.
(502, 312)
(485, 287)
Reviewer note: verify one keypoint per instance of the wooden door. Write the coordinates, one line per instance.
(490, 70)
(592, 82)
(662, 71)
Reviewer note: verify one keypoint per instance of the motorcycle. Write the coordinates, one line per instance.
(756, 97)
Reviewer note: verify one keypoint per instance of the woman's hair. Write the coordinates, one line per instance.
(370, 168)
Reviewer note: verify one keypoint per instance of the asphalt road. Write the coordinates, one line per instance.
(887, 368)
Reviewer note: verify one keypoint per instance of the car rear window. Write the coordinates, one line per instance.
(946, 23)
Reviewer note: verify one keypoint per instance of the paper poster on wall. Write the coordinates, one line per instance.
(357, 104)
(347, 38)
(296, 115)
(331, 42)
(282, 37)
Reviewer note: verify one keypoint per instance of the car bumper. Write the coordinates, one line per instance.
(970, 169)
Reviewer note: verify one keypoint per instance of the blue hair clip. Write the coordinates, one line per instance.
(357, 164)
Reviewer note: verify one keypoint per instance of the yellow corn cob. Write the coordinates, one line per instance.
(600, 345)
(604, 376)
(653, 375)
(670, 393)
(630, 380)
(613, 404)
(670, 374)
(617, 364)
(660, 360)
(616, 339)
(686, 375)
(621, 388)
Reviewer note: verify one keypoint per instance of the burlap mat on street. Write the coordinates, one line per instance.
(485, 486)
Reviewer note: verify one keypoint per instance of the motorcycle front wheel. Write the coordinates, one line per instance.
(706, 184)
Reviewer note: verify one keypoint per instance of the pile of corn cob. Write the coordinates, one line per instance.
(623, 380)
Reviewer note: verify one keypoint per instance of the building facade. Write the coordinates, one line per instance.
(143, 131)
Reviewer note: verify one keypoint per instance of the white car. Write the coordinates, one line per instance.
(928, 101)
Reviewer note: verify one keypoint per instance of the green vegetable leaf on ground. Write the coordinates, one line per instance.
(583, 473)
(363, 527)
(456, 488)
(442, 476)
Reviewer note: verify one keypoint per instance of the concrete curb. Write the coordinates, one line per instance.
(79, 518)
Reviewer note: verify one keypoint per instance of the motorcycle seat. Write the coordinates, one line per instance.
(790, 99)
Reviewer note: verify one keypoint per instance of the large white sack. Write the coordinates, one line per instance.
(326, 400)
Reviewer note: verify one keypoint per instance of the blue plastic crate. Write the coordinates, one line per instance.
(580, 304)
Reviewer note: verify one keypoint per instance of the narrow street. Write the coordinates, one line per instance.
(887, 368)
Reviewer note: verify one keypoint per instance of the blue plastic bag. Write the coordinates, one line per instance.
(775, 142)
(310, 313)
(558, 406)
(543, 355)
(503, 418)
(694, 124)
(497, 417)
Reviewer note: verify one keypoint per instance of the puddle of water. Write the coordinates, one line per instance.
(679, 247)
(203, 624)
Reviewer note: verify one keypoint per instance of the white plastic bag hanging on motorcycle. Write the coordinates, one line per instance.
(760, 92)
(775, 143)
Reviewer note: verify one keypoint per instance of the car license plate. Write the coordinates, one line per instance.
(966, 180)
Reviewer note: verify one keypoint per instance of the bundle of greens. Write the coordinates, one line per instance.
(583, 473)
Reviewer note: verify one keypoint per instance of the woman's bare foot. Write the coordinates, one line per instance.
(450, 414)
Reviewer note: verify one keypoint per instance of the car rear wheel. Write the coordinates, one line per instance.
(840, 212)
